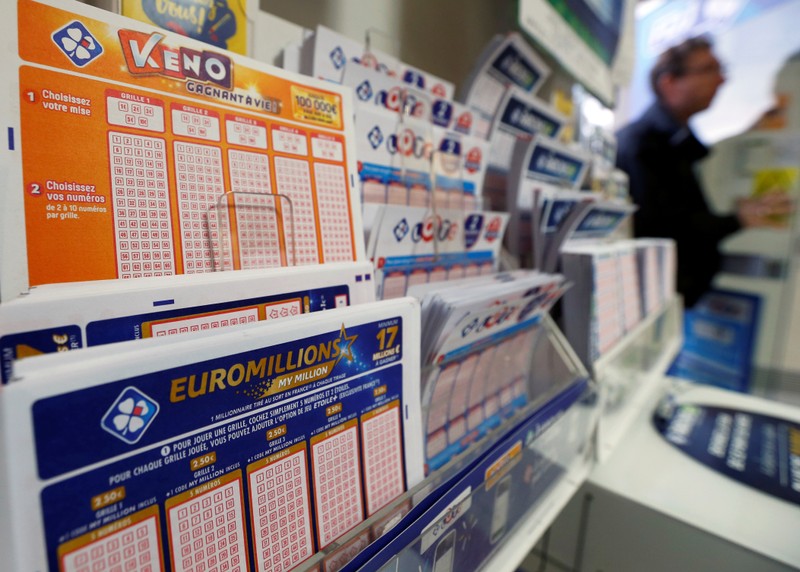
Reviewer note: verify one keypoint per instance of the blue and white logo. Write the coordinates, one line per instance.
(77, 43)
(130, 416)
(375, 137)
(472, 230)
(364, 91)
(401, 230)
(414, 78)
(337, 57)
(442, 112)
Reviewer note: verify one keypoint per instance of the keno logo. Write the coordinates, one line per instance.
(77, 43)
(145, 54)
(130, 415)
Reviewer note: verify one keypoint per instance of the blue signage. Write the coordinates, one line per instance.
(757, 450)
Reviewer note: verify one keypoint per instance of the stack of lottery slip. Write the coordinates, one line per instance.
(478, 338)
(250, 450)
(605, 301)
(555, 213)
(373, 88)
(508, 60)
(328, 55)
(570, 217)
(68, 317)
(180, 172)
(411, 246)
(657, 263)
(542, 169)
(414, 147)
(394, 158)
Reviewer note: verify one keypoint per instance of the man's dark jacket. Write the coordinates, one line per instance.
(660, 155)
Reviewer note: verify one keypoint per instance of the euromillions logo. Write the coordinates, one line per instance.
(375, 137)
(364, 91)
(130, 415)
(337, 57)
(401, 230)
(77, 43)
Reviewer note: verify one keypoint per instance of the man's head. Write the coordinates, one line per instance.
(686, 77)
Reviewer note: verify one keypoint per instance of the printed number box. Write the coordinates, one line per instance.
(135, 152)
(248, 448)
(66, 317)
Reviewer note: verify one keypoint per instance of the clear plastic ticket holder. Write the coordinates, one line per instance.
(631, 376)
(265, 231)
(561, 443)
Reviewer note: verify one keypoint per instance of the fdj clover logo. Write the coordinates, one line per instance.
(77, 43)
(401, 230)
(375, 137)
(364, 91)
(130, 415)
(337, 57)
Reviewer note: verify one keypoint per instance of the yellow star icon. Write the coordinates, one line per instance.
(346, 345)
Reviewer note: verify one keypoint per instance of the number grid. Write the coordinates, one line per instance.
(204, 323)
(334, 212)
(198, 170)
(135, 114)
(256, 216)
(383, 461)
(133, 548)
(207, 531)
(245, 134)
(337, 481)
(327, 149)
(281, 513)
(293, 179)
(142, 219)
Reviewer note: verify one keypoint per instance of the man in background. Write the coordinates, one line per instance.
(659, 153)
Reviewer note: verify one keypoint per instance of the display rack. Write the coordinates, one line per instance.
(520, 542)
(630, 379)
(540, 517)
(550, 443)
(546, 448)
